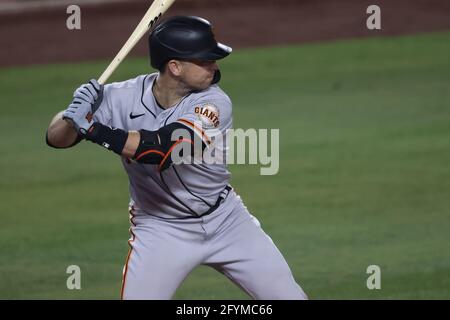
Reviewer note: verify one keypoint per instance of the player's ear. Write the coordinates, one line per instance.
(175, 67)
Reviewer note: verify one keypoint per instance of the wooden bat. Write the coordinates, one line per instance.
(156, 10)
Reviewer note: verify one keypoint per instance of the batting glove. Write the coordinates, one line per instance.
(79, 113)
(91, 92)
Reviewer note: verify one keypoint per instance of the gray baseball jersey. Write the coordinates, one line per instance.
(183, 190)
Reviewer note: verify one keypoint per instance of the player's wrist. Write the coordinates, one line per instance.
(111, 138)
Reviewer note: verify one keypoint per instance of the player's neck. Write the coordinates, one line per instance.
(168, 91)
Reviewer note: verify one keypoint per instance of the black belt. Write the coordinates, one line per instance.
(223, 194)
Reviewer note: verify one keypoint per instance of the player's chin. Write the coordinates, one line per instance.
(203, 85)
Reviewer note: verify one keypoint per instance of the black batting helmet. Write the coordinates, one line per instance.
(184, 37)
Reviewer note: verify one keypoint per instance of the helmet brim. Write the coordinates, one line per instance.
(218, 52)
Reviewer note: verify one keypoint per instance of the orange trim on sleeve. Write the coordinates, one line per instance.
(199, 130)
(150, 151)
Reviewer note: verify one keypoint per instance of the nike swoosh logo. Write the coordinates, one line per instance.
(134, 116)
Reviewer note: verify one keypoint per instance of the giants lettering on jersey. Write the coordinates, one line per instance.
(208, 114)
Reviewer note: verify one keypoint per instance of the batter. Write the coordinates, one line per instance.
(183, 213)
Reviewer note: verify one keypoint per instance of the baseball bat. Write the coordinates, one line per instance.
(156, 10)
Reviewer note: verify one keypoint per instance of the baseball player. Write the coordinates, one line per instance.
(183, 213)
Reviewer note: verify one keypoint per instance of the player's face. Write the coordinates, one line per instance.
(198, 74)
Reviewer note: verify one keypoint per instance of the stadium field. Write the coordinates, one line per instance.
(364, 173)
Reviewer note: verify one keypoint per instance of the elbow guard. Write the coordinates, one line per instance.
(155, 147)
(150, 149)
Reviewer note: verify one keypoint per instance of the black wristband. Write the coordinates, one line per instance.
(111, 139)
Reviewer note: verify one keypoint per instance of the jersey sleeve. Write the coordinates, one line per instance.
(208, 117)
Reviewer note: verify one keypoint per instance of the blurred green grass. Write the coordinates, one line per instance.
(364, 173)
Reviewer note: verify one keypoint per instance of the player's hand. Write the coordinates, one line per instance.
(91, 92)
(79, 114)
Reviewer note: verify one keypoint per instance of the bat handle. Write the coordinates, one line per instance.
(103, 78)
(109, 71)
